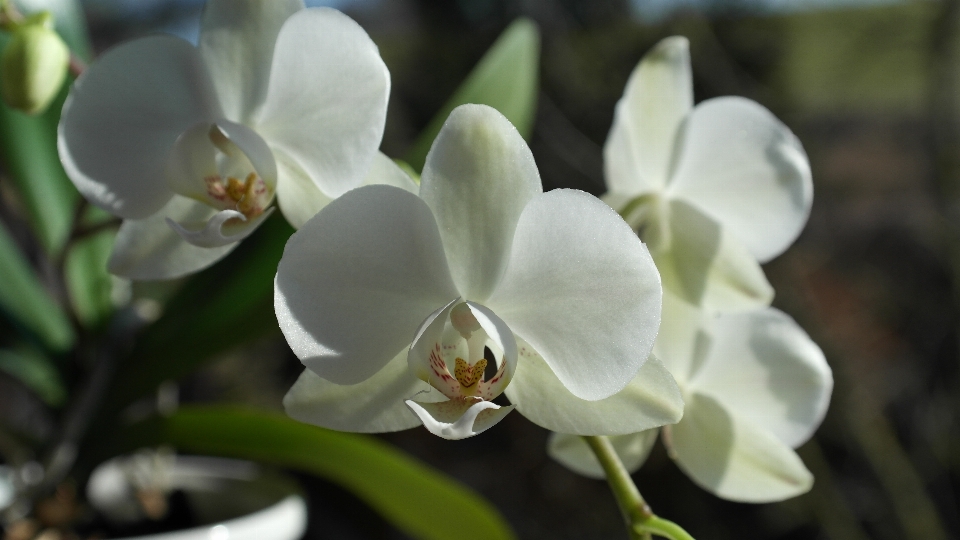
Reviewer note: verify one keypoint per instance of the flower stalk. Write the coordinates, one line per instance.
(641, 522)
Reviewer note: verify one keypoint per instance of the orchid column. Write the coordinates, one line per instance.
(191, 145)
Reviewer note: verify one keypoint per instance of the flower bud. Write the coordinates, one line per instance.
(33, 66)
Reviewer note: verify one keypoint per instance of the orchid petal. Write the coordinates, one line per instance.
(478, 177)
(357, 279)
(300, 199)
(706, 266)
(639, 151)
(372, 406)
(326, 102)
(236, 40)
(574, 453)
(764, 368)
(733, 458)
(458, 419)
(685, 337)
(149, 249)
(124, 114)
(652, 399)
(224, 228)
(583, 292)
(748, 171)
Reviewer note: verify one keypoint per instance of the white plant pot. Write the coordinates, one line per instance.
(235, 499)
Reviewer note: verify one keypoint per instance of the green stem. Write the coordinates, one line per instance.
(640, 519)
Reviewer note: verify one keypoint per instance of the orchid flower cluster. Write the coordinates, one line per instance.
(451, 303)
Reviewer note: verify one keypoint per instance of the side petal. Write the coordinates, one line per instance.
(326, 102)
(574, 453)
(733, 458)
(478, 177)
(223, 228)
(707, 266)
(651, 400)
(685, 338)
(357, 279)
(148, 248)
(763, 367)
(583, 291)
(640, 148)
(458, 419)
(236, 40)
(372, 406)
(300, 199)
(747, 170)
(122, 117)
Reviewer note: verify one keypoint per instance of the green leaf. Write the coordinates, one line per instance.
(221, 308)
(36, 372)
(506, 78)
(417, 499)
(24, 300)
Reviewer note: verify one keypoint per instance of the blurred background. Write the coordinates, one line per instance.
(871, 88)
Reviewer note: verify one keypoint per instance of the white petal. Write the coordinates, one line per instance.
(386, 171)
(150, 249)
(372, 406)
(651, 400)
(763, 367)
(327, 98)
(640, 149)
(574, 453)
(478, 177)
(582, 290)
(685, 337)
(733, 458)
(458, 419)
(706, 266)
(236, 41)
(224, 228)
(357, 279)
(746, 169)
(122, 117)
(298, 197)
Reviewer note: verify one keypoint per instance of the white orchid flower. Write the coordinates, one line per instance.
(190, 145)
(755, 387)
(390, 301)
(712, 189)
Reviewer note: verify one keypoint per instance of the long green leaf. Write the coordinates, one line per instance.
(218, 309)
(417, 499)
(26, 303)
(506, 78)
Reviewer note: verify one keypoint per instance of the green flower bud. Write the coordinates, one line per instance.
(33, 65)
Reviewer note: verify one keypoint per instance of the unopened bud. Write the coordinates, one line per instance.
(33, 65)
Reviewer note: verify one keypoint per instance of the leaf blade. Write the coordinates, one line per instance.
(506, 78)
(414, 497)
